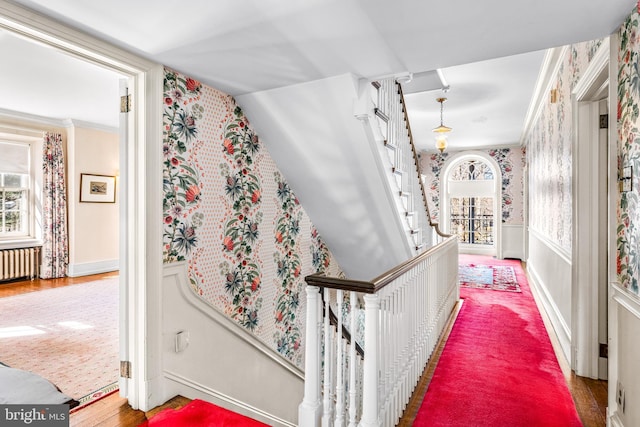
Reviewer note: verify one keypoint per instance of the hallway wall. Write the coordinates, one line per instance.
(548, 156)
(624, 308)
(230, 213)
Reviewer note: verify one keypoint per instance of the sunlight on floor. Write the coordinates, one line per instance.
(19, 331)
(75, 325)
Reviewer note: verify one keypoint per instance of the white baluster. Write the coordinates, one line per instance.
(353, 386)
(370, 369)
(327, 414)
(309, 410)
(339, 421)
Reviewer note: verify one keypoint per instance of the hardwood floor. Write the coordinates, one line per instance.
(8, 289)
(590, 396)
(114, 411)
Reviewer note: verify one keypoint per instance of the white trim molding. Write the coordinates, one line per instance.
(138, 263)
(546, 78)
(276, 384)
(559, 250)
(229, 402)
(589, 194)
(88, 268)
(549, 269)
(496, 248)
(624, 317)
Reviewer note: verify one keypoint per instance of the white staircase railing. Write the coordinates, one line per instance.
(399, 315)
(391, 125)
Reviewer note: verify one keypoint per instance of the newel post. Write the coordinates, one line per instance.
(310, 409)
(370, 368)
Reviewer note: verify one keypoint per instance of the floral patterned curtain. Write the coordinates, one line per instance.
(55, 248)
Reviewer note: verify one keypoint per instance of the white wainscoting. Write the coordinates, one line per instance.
(549, 268)
(220, 362)
(513, 241)
(88, 268)
(624, 348)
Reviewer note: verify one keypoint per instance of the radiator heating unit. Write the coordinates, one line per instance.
(19, 263)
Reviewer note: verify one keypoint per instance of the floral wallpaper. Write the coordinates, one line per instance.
(241, 270)
(511, 163)
(180, 178)
(231, 215)
(548, 148)
(628, 147)
(287, 257)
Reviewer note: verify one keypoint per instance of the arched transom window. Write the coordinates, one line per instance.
(472, 201)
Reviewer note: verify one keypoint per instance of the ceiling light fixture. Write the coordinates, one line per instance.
(442, 130)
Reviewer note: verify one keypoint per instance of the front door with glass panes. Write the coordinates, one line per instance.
(471, 204)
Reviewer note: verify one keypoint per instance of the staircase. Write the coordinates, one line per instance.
(342, 143)
(345, 147)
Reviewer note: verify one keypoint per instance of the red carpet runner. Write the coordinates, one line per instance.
(498, 367)
(201, 414)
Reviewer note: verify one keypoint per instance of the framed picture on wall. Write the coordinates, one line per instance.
(97, 188)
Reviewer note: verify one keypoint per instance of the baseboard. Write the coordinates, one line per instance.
(559, 325)
(88, 268)
(615, 421)
(194, 390)
(512, 244)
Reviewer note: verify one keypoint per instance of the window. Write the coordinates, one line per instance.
(472, 219)
(15, 188)
(471, 202)
(471, 170)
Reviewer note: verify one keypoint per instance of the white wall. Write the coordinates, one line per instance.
(222, 363)
(93, 227)
(549, 268)
(624, 347)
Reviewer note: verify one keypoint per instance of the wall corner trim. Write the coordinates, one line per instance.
(546, 77)
(179, 270)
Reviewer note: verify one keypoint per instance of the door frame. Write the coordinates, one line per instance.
(589, 259)
(496, 249)
(142, 261)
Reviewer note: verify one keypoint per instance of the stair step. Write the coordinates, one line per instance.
(420, 246)
(378, 112)
(390, 145)
(409, 213)
(415, 231)
(397, 171)
(404, 193)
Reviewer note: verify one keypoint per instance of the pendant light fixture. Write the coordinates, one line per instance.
(442, 130)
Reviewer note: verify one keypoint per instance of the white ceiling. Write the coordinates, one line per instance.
(242, 47)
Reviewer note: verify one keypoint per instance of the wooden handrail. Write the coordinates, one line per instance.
(375, 285)
(435, 225)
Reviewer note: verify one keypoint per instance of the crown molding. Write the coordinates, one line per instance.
(546, 78)
(31, 118)
(90, 125)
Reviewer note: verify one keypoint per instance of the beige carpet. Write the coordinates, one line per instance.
(68, 335)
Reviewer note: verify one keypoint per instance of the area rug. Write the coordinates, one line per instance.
(498, 367)
(96, 395)
(491, 277)
(199, 413)
(68, 335)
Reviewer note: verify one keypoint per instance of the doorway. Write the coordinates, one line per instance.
(138, 263)
(590, 217)
(74, 342)
(471, 202)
